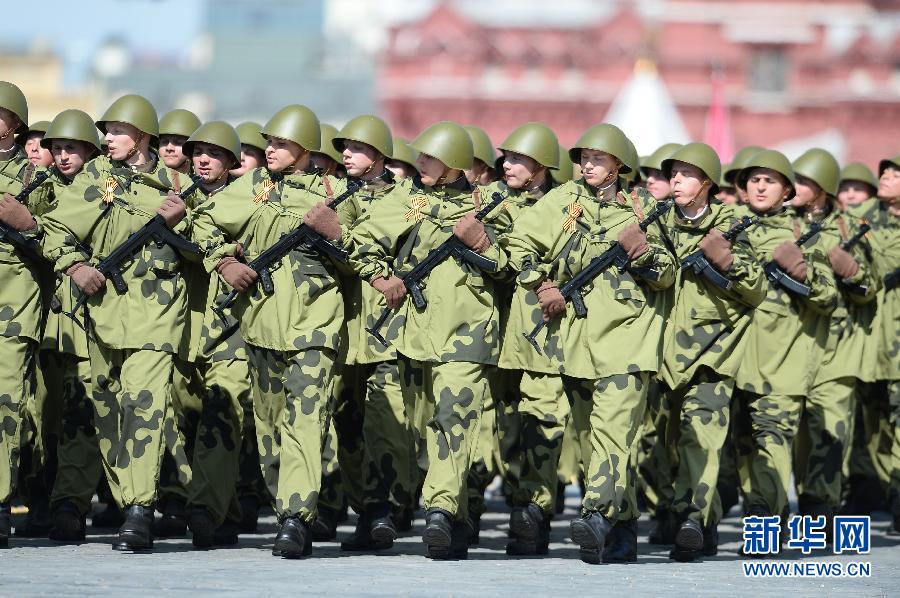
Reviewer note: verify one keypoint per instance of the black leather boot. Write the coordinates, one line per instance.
(664, 528)
(590, 533)
(381, 526)
(621, 543)
(403, 519)
(68, 524)
(529, 531)
(226, 534)
(38, 521)
(324, 528)
(203, 527)
(137, 531)
(173, 522)
(5, 524)
(110, 517)
(293, 540)
(249, 515)
(438, 533)
(688, 542)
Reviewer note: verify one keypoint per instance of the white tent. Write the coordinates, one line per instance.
(644, 110)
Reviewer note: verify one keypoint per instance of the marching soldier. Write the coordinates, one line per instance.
(482, 171)
(403, 161)
(31, 142)
(174, 129)
(134, 335)
(655, 179)
(253, 148)
(292, 335)
(857, 187)
(607, 389)
(20, 294)
(328, 160)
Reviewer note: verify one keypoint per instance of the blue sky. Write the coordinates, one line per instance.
(74, 28)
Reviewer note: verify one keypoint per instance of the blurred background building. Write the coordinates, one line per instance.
(788, 74)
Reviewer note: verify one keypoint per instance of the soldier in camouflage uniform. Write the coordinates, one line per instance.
(856, 187)
(826, 419)
(20, 295)
(783, 342)
(293, 335)
(702, 349)
(31, 142)
(607, 390)
(134, 335)
(444, 350)
(403, 161)
(253, 148)
(483, 171)
(651, 168)
(376, 447)
(328, 160)
(174, 129)
(66, 408)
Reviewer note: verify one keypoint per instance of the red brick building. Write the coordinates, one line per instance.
(794, 72)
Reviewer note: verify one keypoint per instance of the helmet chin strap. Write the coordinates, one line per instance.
(135, 149)
(697, 196)
(292, 167)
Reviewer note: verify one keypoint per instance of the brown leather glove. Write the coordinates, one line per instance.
(392, 288)
(324, 221)
(634, 241)
(87, 278)
(552, 302)
(172, 209)
(471, 231)
(790, 257)
(239, 276)
(15, 214)
(843, 263)
(717, 250)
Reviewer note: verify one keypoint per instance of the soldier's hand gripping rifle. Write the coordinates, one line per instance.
(698, 262)
(614, 256)
(856, 289)
(892, 280)
(29, 248)
(451, 247)
(155, 230)
(776, 274)
(263, 263)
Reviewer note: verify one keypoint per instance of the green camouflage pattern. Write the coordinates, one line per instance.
(541, 246)
(17, 367)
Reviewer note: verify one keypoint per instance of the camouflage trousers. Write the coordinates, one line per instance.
(569, 470)
(41, 426)
(17, 357)
(79, 468)
(482, 470)
(765, 428)
(446, 398)
(375, 442)
(508, 429)
(290, 392)
(692, 425)
(250, 484)
(650, 458)
(132, 400)
(607, 413)
(207, 402)
(822, 442)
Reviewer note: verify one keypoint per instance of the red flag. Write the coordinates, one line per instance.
(718, 123)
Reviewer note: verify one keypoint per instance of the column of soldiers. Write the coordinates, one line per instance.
(200, 319)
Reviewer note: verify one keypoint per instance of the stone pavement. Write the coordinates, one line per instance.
(38, 567)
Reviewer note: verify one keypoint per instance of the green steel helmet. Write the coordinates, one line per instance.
(12, 99)
(403, 152)
(295, 123)
(857, 171)
(215, 132)
(133, 110)
(740, 160)
(883, 165)
(72, 124)
(700, 155)
(326, 146)
(481, 145)
(448, 142)
(772, 160)
(249, 134)
(179, 122)
(564, 173)
(610, 139)
(655, 159)
(820, 167)
(536, 141)
(368, 129)
(724, 184)
(40, 126)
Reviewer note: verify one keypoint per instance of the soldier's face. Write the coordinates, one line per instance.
(170, 150)
(251, 158)
(521, 171)
(808, 193)
(37, 155)
(767, 190)
(690, 186)
(401, 170)
(889, 184)
(853, 193)
(210, 161)
(430, 169)
(323, 163)
(120, 139)
(727, 196)
(69, 156)
(598, 168)
(657, 184)
(282, 154)
(8, 122)
(360, 159)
